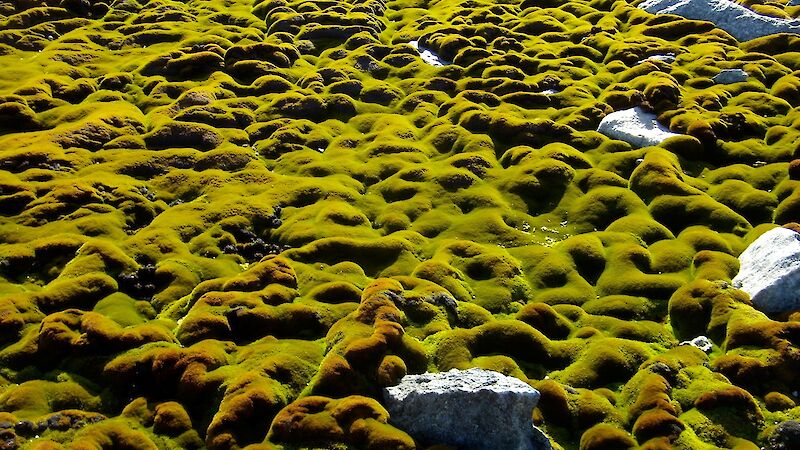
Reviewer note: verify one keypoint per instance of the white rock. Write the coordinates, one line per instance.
(730, 76)
(669, 58)
(701, 342)
(770, 271)
(739, 21)
(428, 55)
(635, 126)
(472, 409)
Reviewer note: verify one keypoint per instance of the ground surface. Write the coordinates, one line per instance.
(230, 223)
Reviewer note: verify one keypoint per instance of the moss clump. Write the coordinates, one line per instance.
(719, 406)
(370, 348)
(171, 418)
(775, 401)
(353, 420)
(605, 436)
(546, 320)
(657, 423)
(605, 361)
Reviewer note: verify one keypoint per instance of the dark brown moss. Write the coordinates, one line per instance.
(776, 401)
(606, 437)
(545, 319)
(657, 423)
(351, 420)
(171, 418)
(794, 169)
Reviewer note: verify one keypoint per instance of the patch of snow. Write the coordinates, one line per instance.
(428, 55)
(741, 22)
(730, 76)
(635, 126)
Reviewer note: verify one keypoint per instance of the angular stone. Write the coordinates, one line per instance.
(473, 409)
(730, 76)
(739, 21)
(770, 271)
(635, 126)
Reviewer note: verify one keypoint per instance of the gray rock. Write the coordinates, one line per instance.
(635, 126)
(770, 271)
(472, 409)
(786, 436)
(730, 76)
(739, 21)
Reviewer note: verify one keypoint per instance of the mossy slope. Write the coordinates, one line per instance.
(228, 224)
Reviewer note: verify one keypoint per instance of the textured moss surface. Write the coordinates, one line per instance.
(229, 224)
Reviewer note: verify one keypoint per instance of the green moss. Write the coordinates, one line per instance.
(604, 361)
(756, 206)
(714, 415)
(677, 213)
(659, 174)
(600, 207)
(642, 226)
(624, 307)
(198, 200)
(114, 432)
(36, 398)
(711, 265)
